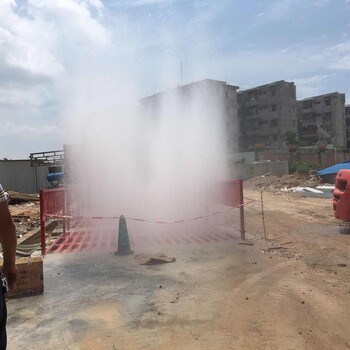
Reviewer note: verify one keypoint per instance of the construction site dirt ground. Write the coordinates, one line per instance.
(289, 292)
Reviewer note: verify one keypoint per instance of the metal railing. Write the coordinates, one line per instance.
(53, 203)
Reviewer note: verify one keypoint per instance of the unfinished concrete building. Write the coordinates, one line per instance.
(347, 124)
(266, 112)
(322, 120)
(215, 95)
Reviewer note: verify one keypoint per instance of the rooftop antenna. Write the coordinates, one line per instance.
(181, 71)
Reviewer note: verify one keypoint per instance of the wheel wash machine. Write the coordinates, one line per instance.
(54, 161)
(341, 195)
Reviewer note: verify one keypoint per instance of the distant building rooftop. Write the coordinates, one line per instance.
(324, 95)
(267, 85)
(179, 87)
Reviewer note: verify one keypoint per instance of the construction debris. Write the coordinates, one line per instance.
(326, 188)
(26, 217)
(153, 259)
(304, 185)
(245, 243)
(277, 183)
(300, 189)
(310, 192)
(276, 248)
(19, 197)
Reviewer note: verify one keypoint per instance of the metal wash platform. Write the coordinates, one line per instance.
(89, 236)
(96, 233)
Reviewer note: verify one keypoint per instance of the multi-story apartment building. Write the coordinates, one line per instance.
(266, 112)
(215, 99)
(347, 124)
(322, 120)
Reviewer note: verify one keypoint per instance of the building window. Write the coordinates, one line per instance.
(273, 92)
(274, 122)
(327, 102)
(274, 108)
(253, 96)
(307, 105)
(307, 116)
(253, 110)
(226, 94)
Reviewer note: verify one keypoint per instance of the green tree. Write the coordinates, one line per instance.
(291, 137)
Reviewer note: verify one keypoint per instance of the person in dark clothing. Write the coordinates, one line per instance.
(9, 271)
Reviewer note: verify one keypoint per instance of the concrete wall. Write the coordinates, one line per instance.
(246, 171)
(240, 171)
(241, 165)
(18, 175)
(279, 168)
(320, 160)
(244, 157)
(261, 168)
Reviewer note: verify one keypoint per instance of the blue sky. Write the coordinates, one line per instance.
(60, 55)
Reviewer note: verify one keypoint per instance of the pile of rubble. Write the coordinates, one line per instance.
(278, 183)
(26, 217)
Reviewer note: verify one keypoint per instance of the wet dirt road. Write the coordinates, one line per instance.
(291, 292)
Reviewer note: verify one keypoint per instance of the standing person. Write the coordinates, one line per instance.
(8, 241)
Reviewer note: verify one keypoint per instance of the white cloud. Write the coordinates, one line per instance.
(275, 11)
(320, 3)
(71, 19)
(10, 129)
(23, 47)
(39, 42)
(340, 55)
(97, 4)
(19, 96)
(149, 2)
(311, 86)
(264, 66)
(43, 42)
(281, 10)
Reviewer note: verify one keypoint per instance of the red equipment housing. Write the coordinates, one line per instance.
(341, 195)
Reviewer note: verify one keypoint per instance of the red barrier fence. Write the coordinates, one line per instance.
(53, 206)
(52, 201)
(230, 193)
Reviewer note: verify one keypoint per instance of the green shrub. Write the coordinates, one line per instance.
(301, 167)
